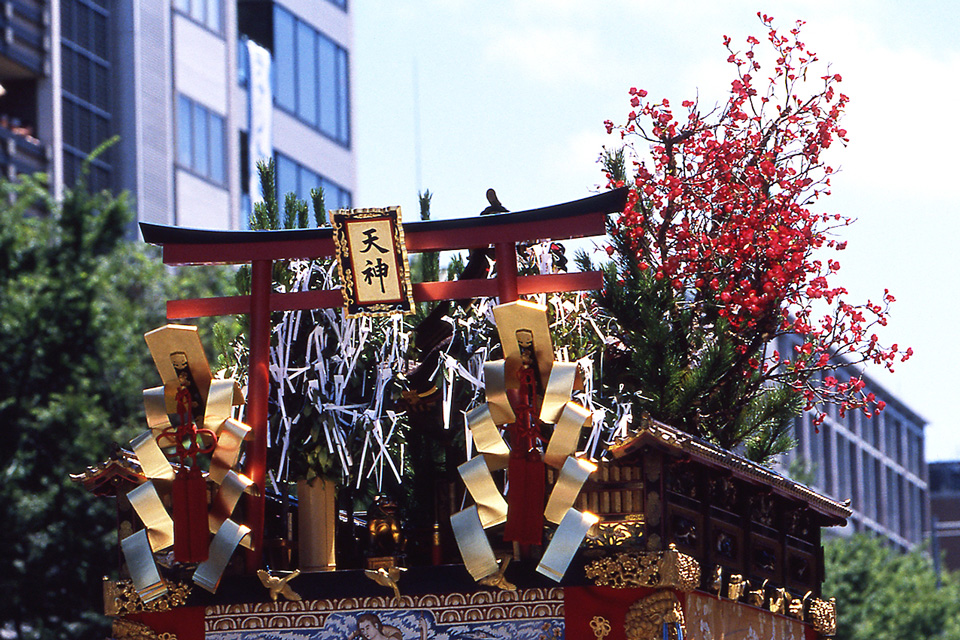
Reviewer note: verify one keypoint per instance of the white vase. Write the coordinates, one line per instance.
(317, 524)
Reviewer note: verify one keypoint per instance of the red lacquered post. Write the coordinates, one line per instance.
(261, 283)
(506, 254)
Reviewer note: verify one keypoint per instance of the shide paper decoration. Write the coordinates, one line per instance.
(526, 378)
(191, 414)
(301, 367)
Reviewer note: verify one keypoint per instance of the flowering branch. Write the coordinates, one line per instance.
(721, 216)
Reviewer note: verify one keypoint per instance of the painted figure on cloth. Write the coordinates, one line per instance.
(370, 627)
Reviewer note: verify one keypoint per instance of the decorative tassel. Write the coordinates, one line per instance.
(525, 500)
(190, 527)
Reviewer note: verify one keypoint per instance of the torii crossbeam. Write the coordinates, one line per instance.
(181, 246)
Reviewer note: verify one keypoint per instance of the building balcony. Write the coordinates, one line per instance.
(20, 151)
(24, 41)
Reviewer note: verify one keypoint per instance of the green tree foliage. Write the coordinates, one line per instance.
(77, 298)
(883, 594)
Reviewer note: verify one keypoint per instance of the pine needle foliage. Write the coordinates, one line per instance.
(676, 360)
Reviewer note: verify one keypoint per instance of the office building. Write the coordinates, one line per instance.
(182, 82)
(877, 463)
(945, 510)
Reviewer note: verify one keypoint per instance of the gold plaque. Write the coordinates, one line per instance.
(372, 259)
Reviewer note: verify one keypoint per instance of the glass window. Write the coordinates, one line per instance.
(869, 486)
(284, 59)
(293, 177)
(916, 461)
(205, 12)
(101, 85)
(311, 76)
(328, 87)
(69, 122)
(201, 141)
(184, 131)
(217, 129)
(68, 21)
(308, 180)
(243, 62)
(854, 476)
(101, 131)
(84, 130)
(286, 178)
(827, 460)
(84, 27)
(84, 69)
(197, 11)
(893, 501)
(213, 14)
(878, 481)
(69, 69)
(843, 468)
(306, 73)
(343, 97)
(100, 34)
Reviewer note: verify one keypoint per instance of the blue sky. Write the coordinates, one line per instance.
(457, 96)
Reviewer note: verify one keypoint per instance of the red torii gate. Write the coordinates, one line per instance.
(181, 246)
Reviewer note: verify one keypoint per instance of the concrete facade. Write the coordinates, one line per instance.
(168, 77)
(877, 463)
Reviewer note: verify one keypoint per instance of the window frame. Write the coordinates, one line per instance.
(193, 118)
(327, 87)
(186, 8)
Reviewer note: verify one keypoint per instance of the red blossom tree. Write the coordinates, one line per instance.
(722, 227)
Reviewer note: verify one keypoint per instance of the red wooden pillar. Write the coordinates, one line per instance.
(258, 393)
(506, 254)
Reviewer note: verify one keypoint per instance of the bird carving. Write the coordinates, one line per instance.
(279, 586)
(757, 597)
(387, 578)
(797, 606)
(498, 579)
(716, 581)
(779, 601)
(495, 206)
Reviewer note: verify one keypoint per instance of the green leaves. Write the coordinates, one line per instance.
(77, 299)
(883, 594)
(77, 296)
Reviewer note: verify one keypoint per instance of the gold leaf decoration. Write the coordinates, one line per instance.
(646, 617)
(652, 569)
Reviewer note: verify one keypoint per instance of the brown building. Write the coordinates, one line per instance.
(945, 509)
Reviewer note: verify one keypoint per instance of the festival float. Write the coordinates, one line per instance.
(545, 520)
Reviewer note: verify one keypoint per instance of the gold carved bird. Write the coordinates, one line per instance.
(386, 577)
(716, 581)
(278, 585)
(498, 579)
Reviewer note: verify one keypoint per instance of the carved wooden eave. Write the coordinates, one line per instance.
(668, 438)
(103, 479)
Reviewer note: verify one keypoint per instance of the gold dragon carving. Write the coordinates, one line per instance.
(646, 617)
(662, 569)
